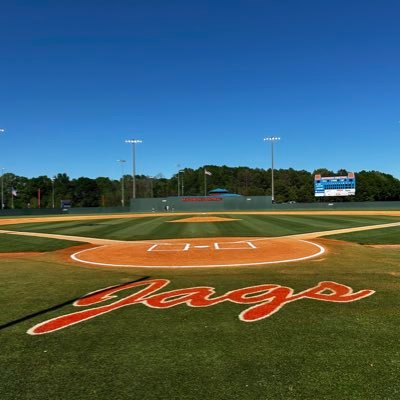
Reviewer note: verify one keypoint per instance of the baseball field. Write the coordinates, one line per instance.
(296, 305)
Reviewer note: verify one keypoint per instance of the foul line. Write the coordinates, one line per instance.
(66, 303)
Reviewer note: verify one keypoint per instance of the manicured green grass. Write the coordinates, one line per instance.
(308, 350)
(16, 243)
(162, 228)
(374, 236)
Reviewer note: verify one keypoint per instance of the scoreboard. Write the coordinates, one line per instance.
(335, 185)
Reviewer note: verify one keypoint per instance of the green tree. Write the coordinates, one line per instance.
(86, 193)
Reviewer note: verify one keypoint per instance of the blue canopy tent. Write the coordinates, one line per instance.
(221, 192)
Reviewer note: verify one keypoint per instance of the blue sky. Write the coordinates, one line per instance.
(200, 82)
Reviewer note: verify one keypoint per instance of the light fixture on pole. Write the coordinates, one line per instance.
(122, 162)
(272, 139)
(133, 142)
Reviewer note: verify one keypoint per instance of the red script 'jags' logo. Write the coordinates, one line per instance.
(264, 300)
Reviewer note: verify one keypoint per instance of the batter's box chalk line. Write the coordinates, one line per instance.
(173, 247)
(238, 246)
(169, 247)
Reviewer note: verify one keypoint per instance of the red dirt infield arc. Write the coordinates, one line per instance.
(200, 252)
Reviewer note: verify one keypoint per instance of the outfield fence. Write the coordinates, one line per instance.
(243, 203)
(345, 205)
(247, 203)
(58, 211)
(201, 203)
(206, 204)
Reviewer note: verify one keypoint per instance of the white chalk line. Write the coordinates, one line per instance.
(163, 246)
(301, 237)
(76, 255)
(309, 235)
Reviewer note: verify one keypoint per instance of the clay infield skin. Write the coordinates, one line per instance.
(202, 252)
(199, 252)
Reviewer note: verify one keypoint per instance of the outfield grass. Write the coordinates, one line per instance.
(161, 227)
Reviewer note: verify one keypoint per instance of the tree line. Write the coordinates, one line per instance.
(289, 184)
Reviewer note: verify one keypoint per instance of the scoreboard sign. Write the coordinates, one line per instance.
(335, 185)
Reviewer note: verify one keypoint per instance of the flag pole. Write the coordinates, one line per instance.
(205, 180)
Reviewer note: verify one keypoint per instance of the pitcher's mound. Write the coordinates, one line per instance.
(205, 219)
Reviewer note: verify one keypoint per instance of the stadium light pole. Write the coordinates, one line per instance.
(122, 162)
(182, 183)
(2, 173)
(178, 176)
(133, 142)
(272, 139)
(52, 190)
(2, 188)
